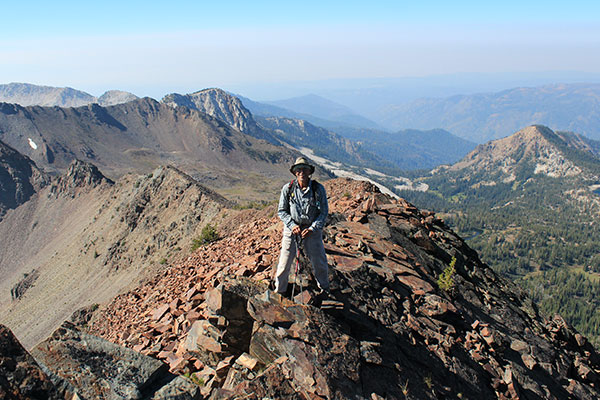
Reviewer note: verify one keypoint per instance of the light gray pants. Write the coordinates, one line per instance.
(314, 250)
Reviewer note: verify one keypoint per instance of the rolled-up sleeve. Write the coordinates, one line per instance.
(283, 210)
(319, 222)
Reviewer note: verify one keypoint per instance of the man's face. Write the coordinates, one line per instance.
(302, 173)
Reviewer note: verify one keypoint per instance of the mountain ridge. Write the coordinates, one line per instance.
(85, 238)
(534, 142)
(487, 116)
(141, 135)
(27, 94)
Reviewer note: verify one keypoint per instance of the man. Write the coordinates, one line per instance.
(303, 209)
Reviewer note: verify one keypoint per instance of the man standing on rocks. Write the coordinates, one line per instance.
(303, 209)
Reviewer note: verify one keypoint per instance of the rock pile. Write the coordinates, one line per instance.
(399, 334)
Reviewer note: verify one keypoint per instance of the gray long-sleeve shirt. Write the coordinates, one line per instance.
(302, 209)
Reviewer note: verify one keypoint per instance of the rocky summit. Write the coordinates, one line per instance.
(413, 314)
(223, 106)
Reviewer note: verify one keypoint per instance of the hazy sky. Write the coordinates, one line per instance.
(152, 48)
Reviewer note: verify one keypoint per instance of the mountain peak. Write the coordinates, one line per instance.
(79, 175)
(546, 152)
(219, 104)
(27, 94)
(112, 97)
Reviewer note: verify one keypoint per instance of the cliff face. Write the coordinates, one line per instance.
(219, 104)
(19, 178)
(415, 314)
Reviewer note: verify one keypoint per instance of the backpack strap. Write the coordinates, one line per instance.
(314, 186)
(290, 190)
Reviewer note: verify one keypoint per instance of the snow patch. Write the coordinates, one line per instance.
(32, 144)
(419, 187)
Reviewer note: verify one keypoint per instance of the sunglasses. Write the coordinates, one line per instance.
(298, 170)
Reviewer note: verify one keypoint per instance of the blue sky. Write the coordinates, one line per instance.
(152, 48)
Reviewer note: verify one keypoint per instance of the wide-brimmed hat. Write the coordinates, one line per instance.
(302, 162)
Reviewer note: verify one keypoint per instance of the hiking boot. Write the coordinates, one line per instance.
(320, 296)
(287, 294)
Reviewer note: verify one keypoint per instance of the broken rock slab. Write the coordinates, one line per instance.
(95, 368)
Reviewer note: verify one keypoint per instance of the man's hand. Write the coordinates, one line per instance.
(306, 232)
(296, 230)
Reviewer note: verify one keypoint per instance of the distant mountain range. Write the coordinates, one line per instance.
(487, 116)
(260, 109)
(320, 107)
(476, 118)
(529, 204)
(368, 96)
(27, 94)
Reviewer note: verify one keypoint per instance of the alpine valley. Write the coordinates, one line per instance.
(139, 238)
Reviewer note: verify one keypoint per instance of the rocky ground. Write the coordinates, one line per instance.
(398, 335)
(414, 314)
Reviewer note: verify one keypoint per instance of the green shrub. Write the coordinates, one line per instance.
(208, 235)
(446, 279)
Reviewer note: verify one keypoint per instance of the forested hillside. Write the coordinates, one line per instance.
(533, 216)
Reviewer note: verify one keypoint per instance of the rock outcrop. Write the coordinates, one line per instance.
(422, 316)
(20, 375)
(72, 364)
(219, 104)
(19, 289)
(79, 175)
(89, 367)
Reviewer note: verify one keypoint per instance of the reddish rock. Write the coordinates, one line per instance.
(396, 327)
(159, 312)
(247, 361)
(203, 336)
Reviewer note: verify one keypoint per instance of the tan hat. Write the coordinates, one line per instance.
(302, 162)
